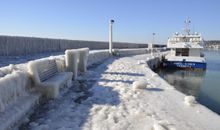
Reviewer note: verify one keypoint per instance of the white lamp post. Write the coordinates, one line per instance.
(110, 35)
(152, 45)
(153, 38)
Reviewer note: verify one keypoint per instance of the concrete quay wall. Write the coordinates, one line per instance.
(13, 45)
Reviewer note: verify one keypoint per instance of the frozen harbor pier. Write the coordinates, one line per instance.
(114, 93)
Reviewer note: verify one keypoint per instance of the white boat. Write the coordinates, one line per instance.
(185, 50)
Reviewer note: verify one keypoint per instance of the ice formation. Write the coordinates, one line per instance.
(46, 77)
(2, 74)
(157, 126)
(189, 100)
(61, 63)
(72, 57)
(154, 74)
(12, 86)
(141, 62)
(6, 70)
(83, 58)
(140, 84)
(97, 56)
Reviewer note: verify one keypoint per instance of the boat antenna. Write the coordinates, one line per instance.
(193, 30)
(186, 29)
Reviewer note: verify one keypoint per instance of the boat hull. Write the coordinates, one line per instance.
(184, 65)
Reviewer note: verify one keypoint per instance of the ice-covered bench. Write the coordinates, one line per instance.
(46, 77)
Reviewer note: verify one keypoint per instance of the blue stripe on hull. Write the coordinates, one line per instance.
(181, 64)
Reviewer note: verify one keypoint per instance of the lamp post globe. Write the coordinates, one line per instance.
(112, 21)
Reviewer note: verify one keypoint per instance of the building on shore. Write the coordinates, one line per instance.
(212, 44)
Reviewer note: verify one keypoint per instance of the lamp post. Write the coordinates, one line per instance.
(152, 45)
(153, 37)
(110, 35)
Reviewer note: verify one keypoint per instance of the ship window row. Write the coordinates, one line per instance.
(182, 52)
(185, 39)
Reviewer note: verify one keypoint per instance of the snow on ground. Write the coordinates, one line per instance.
(109, 101)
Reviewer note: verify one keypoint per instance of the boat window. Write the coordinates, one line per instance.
(178, 52)
(182, 52)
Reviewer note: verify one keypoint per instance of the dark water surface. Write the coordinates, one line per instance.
(204, 85)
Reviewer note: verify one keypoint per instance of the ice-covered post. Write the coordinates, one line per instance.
(152, 44)
(83, 58)
(150, 47)
(72, 57)
(110, 36)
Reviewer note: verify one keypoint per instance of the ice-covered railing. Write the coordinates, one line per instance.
(6, 70)
(13, 85)
(15, 98)
(97, 57)
(127, 52)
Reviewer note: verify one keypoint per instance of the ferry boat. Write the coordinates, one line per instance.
(185, 50)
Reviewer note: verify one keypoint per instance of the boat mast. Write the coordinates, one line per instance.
(186, 29)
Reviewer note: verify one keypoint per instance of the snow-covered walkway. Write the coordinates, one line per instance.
(112, 103)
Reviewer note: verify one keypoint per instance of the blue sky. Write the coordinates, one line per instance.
(135, 20)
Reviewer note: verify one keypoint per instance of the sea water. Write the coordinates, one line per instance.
(204, 85)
